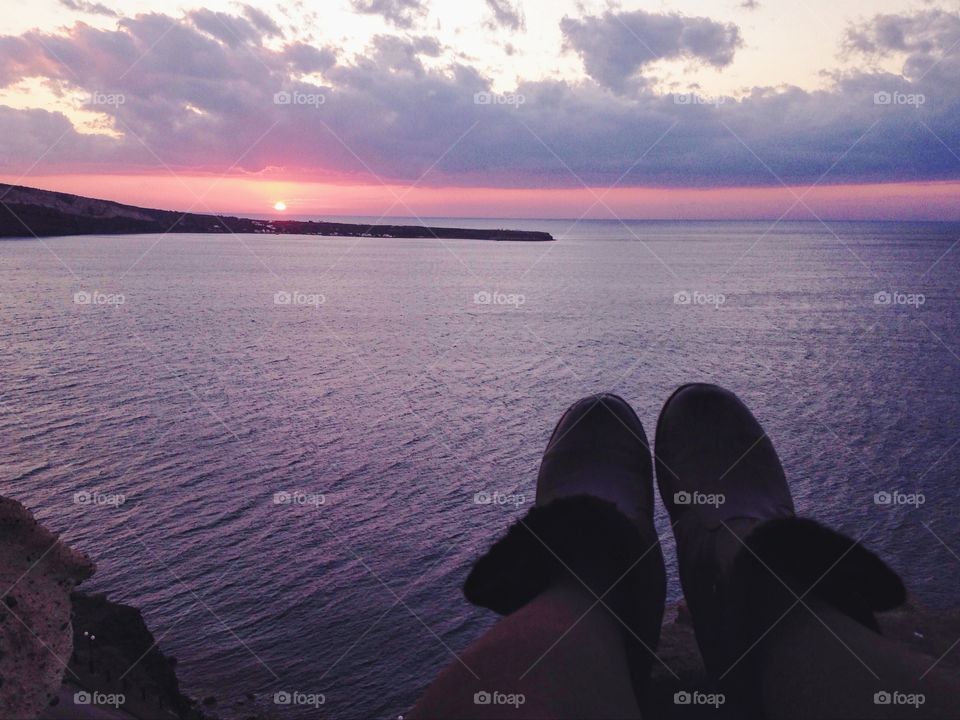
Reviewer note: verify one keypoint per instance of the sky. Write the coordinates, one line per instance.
(840, 109)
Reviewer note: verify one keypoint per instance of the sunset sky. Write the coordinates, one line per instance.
(513, 108)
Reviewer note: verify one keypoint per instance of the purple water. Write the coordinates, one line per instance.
(386, 391)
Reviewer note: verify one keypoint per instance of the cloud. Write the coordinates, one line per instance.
(31, 133)
(927, 42)
(91, 8)
(750, 5)
(402, 53)
(506, 15)
(230, 29)
(306, 59)
(924, 32)
(615, 46)
(263, 22)
(402, 13)
(200, 95)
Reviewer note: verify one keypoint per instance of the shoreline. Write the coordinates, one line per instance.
(30, 212)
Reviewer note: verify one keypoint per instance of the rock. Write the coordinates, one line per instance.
(40, 572)
(125, 658)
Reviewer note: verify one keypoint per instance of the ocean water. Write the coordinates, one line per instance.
(406, 376)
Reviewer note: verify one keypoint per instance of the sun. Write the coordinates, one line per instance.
(279, 206)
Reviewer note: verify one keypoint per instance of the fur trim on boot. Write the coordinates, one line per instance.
(588, 540)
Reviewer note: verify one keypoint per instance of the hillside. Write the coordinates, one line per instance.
(31, 212)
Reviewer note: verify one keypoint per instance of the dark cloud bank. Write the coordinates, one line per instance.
(206, 92)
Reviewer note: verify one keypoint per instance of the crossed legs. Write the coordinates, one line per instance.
(784, 609)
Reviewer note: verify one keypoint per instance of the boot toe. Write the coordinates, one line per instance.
(599, 448)
(713, 456)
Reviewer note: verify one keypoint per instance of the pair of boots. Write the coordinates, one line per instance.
(744, 557)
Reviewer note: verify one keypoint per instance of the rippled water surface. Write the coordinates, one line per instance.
(387, 389)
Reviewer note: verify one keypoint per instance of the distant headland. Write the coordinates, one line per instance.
(31, 212)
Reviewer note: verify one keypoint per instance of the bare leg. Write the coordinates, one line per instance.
(808, 674)
(558, 652)
(565, 659)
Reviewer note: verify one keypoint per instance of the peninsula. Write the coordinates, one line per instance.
(30, 212)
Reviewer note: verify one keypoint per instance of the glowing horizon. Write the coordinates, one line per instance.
(513, 108)
(240, 197)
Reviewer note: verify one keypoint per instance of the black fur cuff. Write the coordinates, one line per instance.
(803, 554)
(583, 536)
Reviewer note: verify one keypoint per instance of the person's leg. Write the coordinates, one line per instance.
(719, 478)
(830, 666)
(560, 656)
(803, 600)
(580, 581)
(784, 609)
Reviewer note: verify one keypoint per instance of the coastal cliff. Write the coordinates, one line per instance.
(65, 655)
(38, 573)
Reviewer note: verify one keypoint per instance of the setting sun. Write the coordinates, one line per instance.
(280, 206)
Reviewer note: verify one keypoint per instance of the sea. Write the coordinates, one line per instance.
(287, 450)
